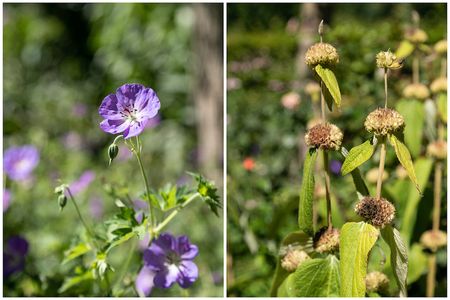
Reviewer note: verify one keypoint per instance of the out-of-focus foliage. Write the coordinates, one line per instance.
(266, 146)
(60, 61)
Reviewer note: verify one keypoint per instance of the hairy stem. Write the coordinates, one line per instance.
(80, 216)
(174, 213)
(381, 169)
(327, 188)
(431, 276)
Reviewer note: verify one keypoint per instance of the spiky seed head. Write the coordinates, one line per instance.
(377, 282)
(433, 239)
(372, 175)
(383, 121)
(441, 47)
(416, 35)
(416, 91)
(326, 240)
(379, 212)
(293, 259)
(323, 54)
(439, 85)
(325, 136)
(387, 59)
(437, 149)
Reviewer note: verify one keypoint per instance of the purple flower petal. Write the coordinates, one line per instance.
(109, 109)
(154, 257)
(83, 182)
(135, 129)
(114, 126)
(127, 93)
(18, 245)
(19, 162)
(185, 249)
(144, 282)
(164, 279)
(188, 273)
(147, 103)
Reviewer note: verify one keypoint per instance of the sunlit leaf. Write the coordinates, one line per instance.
(305, 207)
(441, 102)
(76, 251)
(413, 112)
(360, 185)
(404, 49)
(329, 79)
(357, 156)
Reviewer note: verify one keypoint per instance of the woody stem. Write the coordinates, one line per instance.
(381, 169)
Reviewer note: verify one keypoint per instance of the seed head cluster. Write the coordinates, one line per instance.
(379, 212)
(437, 149)
(433, 239)
(377, 282)
(383, 121)
(325, 136)
(323, 54)
(387, 59)
(293, 259)
(326, 240)
(439, 85)
(416, 91)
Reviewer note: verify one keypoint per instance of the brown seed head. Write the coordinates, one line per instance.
(387, 59)
(293, 259)
(433, 239)
(416, 91)
(416, 35)
(377, 282)
(437, 149)
(441, 47)
(379, 212)
(383, 121)
(325, 136)
(439, 85)
(323, 54)
(326, 240)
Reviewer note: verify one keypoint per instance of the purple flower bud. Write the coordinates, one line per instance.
(19, 162)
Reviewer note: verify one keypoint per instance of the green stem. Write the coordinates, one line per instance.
(175, 212)
(416, 67)
(385, 88)
(431, 276)
(88, 229)
(381, 169)
(327, 188)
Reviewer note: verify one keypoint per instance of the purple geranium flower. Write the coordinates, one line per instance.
(128, 110)
(19, 162)
(144, 281)
(171, 260)
(6, 199)
(14, 255)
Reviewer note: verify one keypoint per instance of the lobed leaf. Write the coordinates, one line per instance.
(399, 257)
(357, 156)
(317, 277)
(305, 206)
(356, 241)
(404, 157)
(330, 81)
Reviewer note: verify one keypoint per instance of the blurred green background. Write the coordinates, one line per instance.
(267, 115)
(60, 61)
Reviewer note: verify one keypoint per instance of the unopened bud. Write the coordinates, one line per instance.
(113, 150)
(62, 201)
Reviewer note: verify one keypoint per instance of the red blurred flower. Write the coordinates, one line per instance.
(248, 163)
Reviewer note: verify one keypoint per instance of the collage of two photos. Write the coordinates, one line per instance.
(224, 150)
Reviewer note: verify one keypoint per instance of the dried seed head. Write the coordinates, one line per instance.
(323, 54)
(387, 59)
(439, 85)
(441, 47)
(293, 259)
(325, 136)
(416, 35)
(433, 239)
(372, 175)
(437, 149)
(379, 212)
(383, 121)
(416, 91)
(326, 240)
(377, 282)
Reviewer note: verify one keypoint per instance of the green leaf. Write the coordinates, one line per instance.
(317, 277)
(294, 239)
(207, 189)
(404, 49)
(357, 156)
(73, 281)
(399, 257)
(361, 187)
(120, 240)
(441, 102)
(413, 112)
(417, 263)
(330, 82)
(75, 252)
(356, 241)
(305, 206)
(409, 214)
(327, 96)
(405, 159)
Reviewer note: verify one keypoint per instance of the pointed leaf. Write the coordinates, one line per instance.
(361, 187)
(399, 257)
(357, 156)
(75, 252)
(305, 207)
(327, 96)
(404, 157)
(330, 82)
(317, 277)
(442, 106)
(413, 112)
(356, 241)
(70, 282)
(404, 49)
